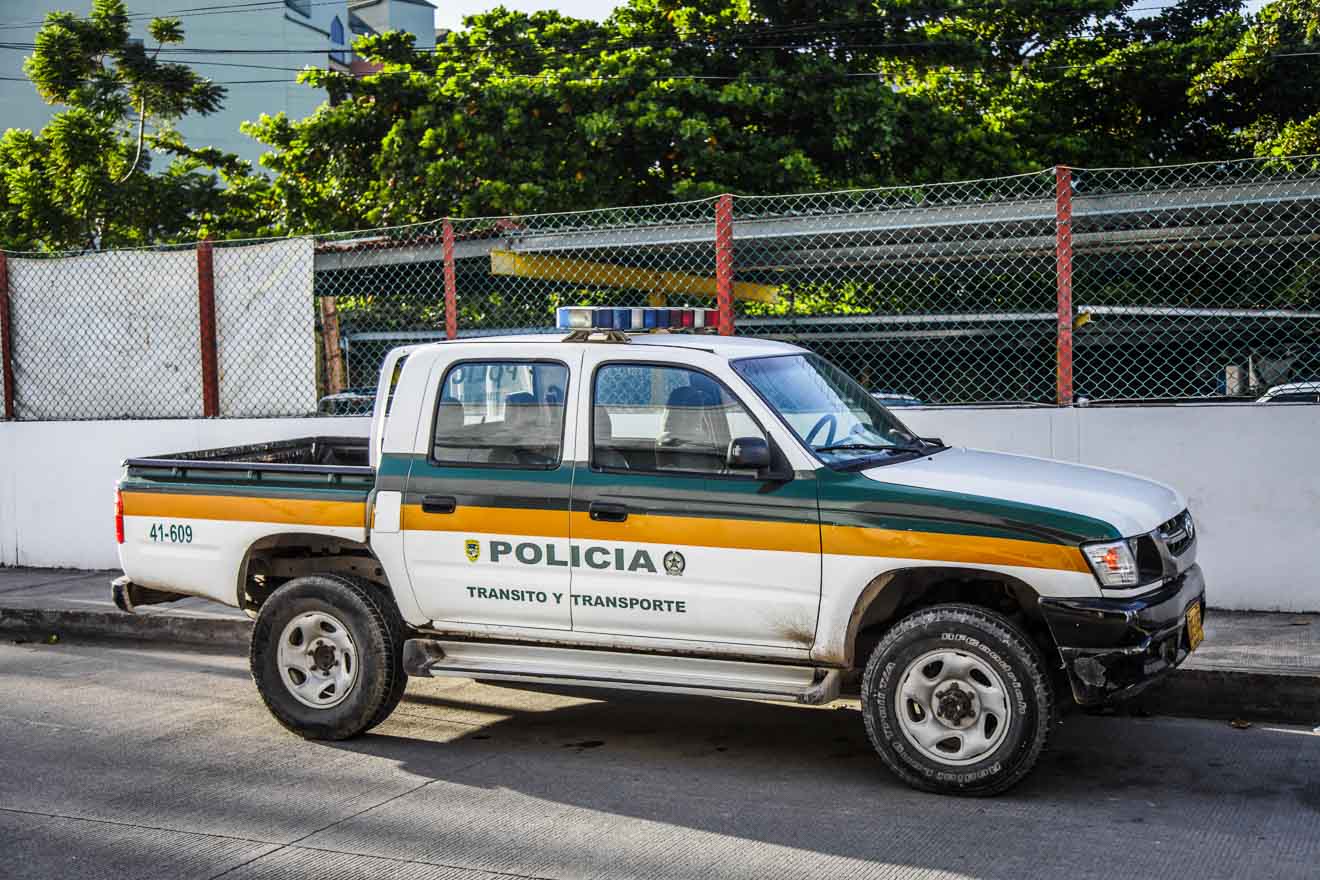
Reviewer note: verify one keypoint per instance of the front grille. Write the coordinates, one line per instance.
(1178, 533)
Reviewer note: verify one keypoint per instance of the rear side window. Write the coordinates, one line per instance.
(647, 417)
(502, 414)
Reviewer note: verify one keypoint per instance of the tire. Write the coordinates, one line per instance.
(355, 680)
(956, 700)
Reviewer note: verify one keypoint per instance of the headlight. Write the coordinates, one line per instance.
(1113, 563)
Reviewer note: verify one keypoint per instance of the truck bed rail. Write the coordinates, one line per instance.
(318, 455)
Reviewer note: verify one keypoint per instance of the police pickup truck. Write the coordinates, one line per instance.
(673, 511)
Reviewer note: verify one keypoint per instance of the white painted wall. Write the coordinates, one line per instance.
(57, 479)
(1250, 472)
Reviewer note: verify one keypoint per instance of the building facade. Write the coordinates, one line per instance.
(255, 50)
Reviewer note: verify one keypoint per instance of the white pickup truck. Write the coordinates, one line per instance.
(674, 512)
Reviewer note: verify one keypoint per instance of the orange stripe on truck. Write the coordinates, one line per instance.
(291, 511)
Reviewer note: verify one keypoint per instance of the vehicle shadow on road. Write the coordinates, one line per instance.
(806, 778)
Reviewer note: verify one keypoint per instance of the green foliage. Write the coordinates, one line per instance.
(1265, 90)
(86, 179)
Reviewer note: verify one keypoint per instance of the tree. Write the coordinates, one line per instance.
(1265, 88)
(675, 99)
(86, 180)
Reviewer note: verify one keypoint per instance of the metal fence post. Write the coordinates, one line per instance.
(451, 285)
(724, 262)
(1063, 280)
(206, 310)
(6, 338)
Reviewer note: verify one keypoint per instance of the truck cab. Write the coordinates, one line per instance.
(682, 512)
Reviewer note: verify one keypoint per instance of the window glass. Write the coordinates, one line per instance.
(653, 418)
(832, 414)
(501, 413)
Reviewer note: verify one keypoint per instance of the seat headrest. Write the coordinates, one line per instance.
(688, 395)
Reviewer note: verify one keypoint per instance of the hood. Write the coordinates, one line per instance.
(1132, 505)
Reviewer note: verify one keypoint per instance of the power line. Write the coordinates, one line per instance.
(908, 14)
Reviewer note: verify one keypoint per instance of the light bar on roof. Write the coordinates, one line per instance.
(636, 320)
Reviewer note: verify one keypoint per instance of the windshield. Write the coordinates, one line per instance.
(829, 412)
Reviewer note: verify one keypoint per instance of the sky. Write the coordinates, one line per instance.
(450, 12)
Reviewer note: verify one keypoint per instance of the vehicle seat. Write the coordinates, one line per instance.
(526, 432)
(450, 440)
(604, 453)
(690, 434)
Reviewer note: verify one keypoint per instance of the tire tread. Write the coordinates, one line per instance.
(1038, 680)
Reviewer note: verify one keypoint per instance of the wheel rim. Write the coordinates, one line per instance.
(953, 707)
(318, 660)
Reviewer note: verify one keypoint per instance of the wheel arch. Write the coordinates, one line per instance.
(890, 595)
(274, 559)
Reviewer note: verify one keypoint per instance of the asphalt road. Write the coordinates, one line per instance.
(131, 761)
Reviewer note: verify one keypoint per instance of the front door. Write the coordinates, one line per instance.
(485, 517)
(669, 542)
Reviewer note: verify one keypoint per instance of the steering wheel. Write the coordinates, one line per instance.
(827, 419)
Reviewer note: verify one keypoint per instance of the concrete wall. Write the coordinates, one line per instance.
(57, 479)
(1250, 472)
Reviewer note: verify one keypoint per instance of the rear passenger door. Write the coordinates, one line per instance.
(485, 518)
(668, 541)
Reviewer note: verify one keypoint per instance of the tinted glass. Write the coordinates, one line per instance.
(501, 413)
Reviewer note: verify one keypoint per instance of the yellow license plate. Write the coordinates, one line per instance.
(1195, 632)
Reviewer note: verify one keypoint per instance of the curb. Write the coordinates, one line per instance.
(199, 631)
(1228, 693)
(1220, 693)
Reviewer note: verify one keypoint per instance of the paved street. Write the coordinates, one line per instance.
(129, 761)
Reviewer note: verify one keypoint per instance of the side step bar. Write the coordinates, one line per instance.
(616, 669)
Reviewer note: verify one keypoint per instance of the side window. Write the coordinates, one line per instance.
(653, 418)
(502, 413)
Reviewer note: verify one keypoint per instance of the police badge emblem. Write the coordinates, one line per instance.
(674, 563)
(473, 549)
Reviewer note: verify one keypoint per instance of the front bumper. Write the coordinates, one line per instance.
(1112, 648)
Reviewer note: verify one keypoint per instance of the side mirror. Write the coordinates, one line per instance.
(748, 453)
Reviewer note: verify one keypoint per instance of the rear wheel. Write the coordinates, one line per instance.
(327, 656)
(956, 700)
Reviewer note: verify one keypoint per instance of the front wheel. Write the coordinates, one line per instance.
(327, 656)
(956, 700)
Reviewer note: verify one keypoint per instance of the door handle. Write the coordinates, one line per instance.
(603, 512)
(438, 504)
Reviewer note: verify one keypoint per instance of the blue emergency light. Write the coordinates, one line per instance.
(635, 320)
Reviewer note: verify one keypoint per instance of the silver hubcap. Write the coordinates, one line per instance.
(318, 661)
(953, 707)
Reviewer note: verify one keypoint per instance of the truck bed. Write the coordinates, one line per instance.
(304, 455)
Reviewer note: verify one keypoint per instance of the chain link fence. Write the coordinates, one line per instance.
(1196, 282)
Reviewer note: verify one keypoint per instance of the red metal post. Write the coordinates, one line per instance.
(1063, 274)
(6, 338)
(206, 310)
(451, 286)
(724, 262)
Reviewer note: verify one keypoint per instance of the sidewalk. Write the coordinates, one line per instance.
(39, 602)
(1252, 665)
